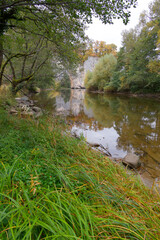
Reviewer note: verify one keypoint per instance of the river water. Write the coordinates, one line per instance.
(121, 124)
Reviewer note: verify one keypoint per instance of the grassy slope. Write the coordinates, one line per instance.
(55, 187)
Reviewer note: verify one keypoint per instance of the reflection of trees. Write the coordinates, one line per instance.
(105, 109)
(66, 94)
(136, 120)
(85, 122)
(44, 101)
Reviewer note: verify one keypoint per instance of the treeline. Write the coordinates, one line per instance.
(138, 61)
(97, 49)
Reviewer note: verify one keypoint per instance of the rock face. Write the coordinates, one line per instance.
(132, 160)
(77, 80)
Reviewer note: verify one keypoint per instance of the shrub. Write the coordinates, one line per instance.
(102, 74)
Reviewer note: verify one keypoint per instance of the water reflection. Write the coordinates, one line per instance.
(121, 124)
(137, 123)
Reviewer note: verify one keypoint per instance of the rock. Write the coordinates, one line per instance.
(132, 160)
(30, 113)
(92, 143)
(13, 111)
(77, 79)
(24, 107)
(18, 99)
(36, 109)
(75, 134)
(24, 98)
(61, 109)
(31, 104)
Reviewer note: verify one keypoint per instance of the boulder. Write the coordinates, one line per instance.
(132, 160)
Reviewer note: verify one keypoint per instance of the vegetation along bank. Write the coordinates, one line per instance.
(54, 186)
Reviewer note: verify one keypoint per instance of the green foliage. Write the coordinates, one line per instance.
(88, 79)
(60, 22)
(138, 60)
(101, 76)
(97, 49)
(28, 55)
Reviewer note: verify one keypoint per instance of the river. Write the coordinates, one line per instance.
(120, 123)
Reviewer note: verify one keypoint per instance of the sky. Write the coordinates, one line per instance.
(112, 33)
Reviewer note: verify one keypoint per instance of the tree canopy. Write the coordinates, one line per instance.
(97, 49)
(75, 9)
(138, 67)
(60, 21)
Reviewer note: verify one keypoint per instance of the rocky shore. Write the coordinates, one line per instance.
(26, 107)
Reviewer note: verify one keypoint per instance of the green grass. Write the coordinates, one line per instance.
(53, 186)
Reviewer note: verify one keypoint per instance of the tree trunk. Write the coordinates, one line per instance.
(1, 56)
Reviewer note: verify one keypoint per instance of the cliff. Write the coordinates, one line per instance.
(77, 80)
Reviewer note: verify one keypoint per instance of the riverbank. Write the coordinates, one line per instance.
(55, 186)
(146, 95)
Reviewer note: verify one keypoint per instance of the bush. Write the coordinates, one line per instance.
(102, 74)
(88, 79)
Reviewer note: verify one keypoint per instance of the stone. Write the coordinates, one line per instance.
(132, 160)
(75, 134)
(92, 143)
(13, 111)
(27, 113)
(18, 99)
(36, 109)
(24, 98)
(31, 104)
(24, 107)
(61, 109)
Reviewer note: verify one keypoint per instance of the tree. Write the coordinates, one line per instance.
(98, 49)
(138, 68)
(101, 76)
(27, 55)
(60, 21)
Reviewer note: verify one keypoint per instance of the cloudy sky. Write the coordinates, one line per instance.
(112, 33)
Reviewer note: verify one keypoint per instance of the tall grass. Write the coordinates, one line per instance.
(56, 187)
